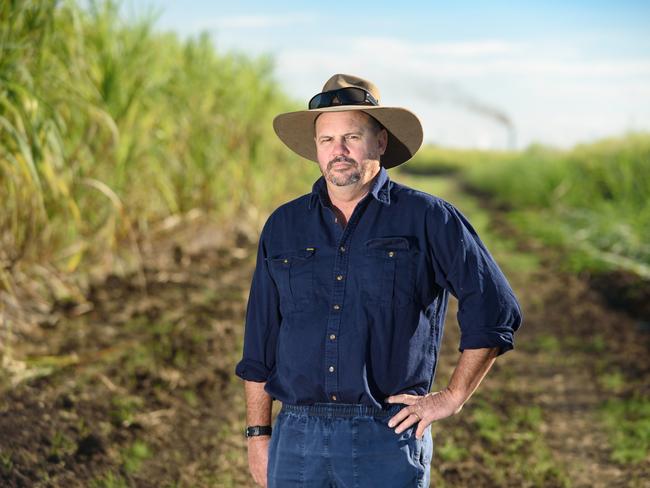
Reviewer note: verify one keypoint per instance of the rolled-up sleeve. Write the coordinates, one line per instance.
(488, 311)
(262, 319)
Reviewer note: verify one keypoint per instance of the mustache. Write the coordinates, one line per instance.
(341, 159)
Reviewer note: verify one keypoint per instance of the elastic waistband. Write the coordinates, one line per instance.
(342, 409)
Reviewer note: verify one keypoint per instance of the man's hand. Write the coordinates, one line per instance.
(258, 458)
(423, 410)
(472, 366)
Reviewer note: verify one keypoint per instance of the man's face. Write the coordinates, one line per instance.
(347, 147)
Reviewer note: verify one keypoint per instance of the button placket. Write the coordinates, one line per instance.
(334, 322)
(341, 264)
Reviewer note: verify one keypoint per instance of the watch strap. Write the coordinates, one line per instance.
(255, 430)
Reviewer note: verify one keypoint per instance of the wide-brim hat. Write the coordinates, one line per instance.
(296, 129)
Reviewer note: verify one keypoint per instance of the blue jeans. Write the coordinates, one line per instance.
(337, 445)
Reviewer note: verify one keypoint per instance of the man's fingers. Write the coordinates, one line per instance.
(409, 400)
(405, 419)
(403, 398)
(398, 417)
(413, 414)
(406, 422)
(422, 426)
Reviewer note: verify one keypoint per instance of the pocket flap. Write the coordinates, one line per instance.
(303, 253)
(388, 243)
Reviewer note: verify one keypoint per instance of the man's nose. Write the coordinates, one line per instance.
(340, 147)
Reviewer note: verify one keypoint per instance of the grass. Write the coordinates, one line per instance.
(438, 160)
(6, 463)
(525, 446)
(613, 381)
(134, 455)
(488, 423)
(125, 408)
(514, 447)
(591, 200)
(628, 423)
(109, 126)
(448, 188)
(544, 343)
(451, 451)
(110, 480)
(60, 446)
(132, 458)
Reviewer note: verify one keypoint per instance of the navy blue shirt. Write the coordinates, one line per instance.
(356, 314)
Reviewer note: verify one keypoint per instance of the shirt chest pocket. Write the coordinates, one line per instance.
(293, 272)
(388, 271)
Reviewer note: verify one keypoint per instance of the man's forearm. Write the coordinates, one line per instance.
(259, 404)
(472, 367)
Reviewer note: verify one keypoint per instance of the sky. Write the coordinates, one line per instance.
(478, 74)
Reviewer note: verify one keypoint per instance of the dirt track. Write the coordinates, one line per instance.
(142, 392)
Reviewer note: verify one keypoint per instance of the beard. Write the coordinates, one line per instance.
(343, 176)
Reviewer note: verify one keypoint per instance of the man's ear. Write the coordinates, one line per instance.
(383, 141)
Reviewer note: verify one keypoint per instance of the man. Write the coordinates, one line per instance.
(347, 303)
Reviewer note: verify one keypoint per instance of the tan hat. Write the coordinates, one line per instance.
(296, 129)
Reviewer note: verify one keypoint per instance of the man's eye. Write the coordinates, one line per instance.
(353, 137)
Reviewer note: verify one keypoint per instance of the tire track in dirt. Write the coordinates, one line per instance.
(569, 341)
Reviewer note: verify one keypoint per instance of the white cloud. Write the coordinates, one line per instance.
(460, 60)
(490, 57)
(393, 46)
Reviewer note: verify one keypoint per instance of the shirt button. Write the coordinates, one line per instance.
(336, 307)
(285, 261)
(333, 397)
(332, 336)
(391, 253)
(331, 368)
(339, 277)
(342, 248)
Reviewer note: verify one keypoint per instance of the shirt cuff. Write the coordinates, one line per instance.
(503, 339)
(250, 370)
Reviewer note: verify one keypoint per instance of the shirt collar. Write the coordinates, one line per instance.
(380, 189)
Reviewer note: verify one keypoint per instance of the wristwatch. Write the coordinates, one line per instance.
(253, 430)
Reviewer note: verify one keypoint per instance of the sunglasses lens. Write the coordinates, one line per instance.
(316, 101)
(351, 95)
(343, 96)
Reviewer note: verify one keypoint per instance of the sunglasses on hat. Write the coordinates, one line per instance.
(350, 95)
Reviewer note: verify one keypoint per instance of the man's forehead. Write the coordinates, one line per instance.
(354, 116)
